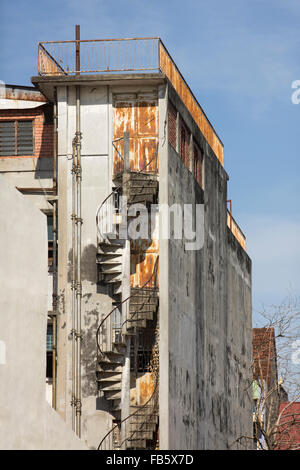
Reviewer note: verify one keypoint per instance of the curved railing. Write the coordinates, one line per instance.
(154, 396)
(152, 277)
(104, 214)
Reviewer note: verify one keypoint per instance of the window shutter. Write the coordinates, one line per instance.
(24, 138)
(7, 138)
(16, 138)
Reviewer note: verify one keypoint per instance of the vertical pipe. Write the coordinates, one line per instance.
(79, 286)
(54, 293)
(73, 284)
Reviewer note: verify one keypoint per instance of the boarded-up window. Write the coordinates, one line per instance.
(198, 164)
(185, 136)
(172, 125)
(16, 138)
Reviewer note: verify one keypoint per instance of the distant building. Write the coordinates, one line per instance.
(149, 340)
(288, 437)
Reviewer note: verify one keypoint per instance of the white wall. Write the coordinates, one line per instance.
(26, 419)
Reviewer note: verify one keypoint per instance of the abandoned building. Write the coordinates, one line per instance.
(149, 343)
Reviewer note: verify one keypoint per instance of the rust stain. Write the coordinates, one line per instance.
(24, 95)
(235, 229)
(168, 67)
(141, 268)
(143, 390)
(137, 115)
(46, 64)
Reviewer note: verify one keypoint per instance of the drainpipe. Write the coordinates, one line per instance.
(73, 285)
(54, 293)
(78, 273)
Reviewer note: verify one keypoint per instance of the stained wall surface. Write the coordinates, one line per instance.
(207, 310)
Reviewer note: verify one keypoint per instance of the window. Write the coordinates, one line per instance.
(16, 138)
(172, 125)
(50, 241)
(49, 353)
(198, 164)
(185, 144)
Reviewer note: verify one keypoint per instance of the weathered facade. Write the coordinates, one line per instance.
(152, 342)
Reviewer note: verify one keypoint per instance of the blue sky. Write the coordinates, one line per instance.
(240, 58)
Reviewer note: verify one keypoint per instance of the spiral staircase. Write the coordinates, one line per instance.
(141, 425)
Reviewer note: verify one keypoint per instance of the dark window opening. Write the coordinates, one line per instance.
(49, 351)
(198, 164)
(50, 240)
(185, 144)
(16, 138)
(172, 125)
(141, 351)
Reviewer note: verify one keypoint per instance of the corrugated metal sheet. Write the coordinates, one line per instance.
(168, 67)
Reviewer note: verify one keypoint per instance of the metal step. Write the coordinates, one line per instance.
(136, 444)
(112, 394)
(111, 388)
(113, 361)
(146, 302)
(143, 426)
(109, 376)
(141, 418)
(140, 316)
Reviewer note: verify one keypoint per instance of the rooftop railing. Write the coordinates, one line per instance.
(98, 56)
(141, 55)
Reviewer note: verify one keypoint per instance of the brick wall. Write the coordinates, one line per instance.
(42, 128)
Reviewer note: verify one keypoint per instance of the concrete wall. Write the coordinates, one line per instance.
(206, 309)
(26, 419)
(96, 126)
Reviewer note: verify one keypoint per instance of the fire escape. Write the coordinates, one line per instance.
(134, 319)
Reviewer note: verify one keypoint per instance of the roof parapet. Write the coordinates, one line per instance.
(58, 58)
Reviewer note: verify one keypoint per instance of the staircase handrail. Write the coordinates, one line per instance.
(154, 272)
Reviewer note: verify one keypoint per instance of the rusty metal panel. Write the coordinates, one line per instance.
(235, 229)
(138, 115)
(141, 268)
(168, 67)
(143, 391)
(47, 65)
(24, 94)
(143, 257)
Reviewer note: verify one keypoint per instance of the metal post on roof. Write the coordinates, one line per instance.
(77, 38)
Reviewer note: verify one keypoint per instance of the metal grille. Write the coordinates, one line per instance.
(198, 161)
(185, 136)
(141, 351)
(172, 125)
(16, 138)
